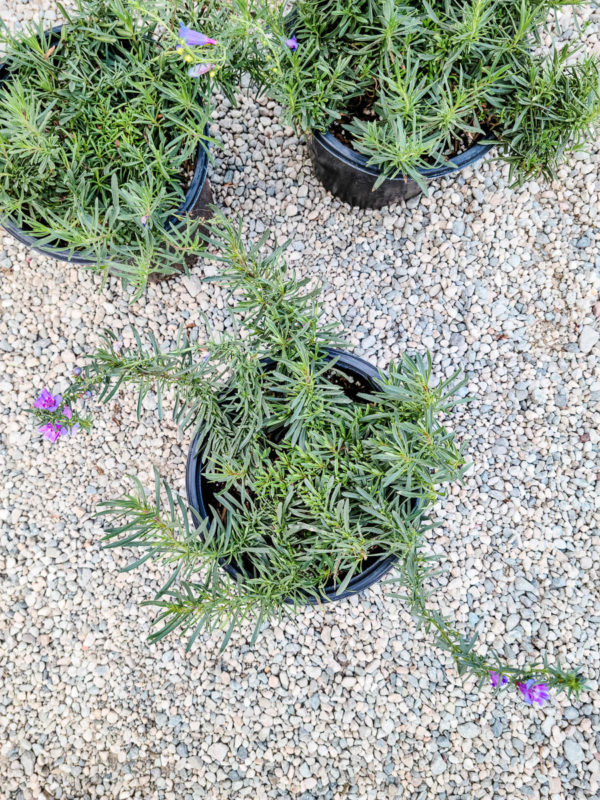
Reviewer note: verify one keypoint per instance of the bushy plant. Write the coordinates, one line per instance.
(310, 474)
(100, 129)
(411, 83)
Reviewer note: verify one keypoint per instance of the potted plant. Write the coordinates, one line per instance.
(395, 93)
(311, 474)
(104, 134)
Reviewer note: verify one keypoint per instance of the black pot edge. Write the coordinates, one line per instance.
(358, 583)
(358, 161)
(193, 193)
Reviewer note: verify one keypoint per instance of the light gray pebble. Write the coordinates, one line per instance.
(574, 752)
(469, 730)
(438, 766)
(28, 762)
(588, 338)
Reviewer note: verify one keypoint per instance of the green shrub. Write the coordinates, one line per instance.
(411, 83)
(100, 129)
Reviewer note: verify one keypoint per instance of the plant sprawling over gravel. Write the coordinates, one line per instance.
(309, 475)
(411, 83)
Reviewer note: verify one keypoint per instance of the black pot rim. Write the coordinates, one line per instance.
(358, 161)
(193, 483)
(79, 256)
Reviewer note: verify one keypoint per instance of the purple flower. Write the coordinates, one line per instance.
(292, 43)
(77, 371)
(67, 412)
(533, 692)
(88, 393)
(200, 69)
(192, 38)
(48, 401)
(52, 431)
(144, 220)
(496, 679)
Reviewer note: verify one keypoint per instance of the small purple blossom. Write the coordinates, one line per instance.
(292, 43)
(192, 38)
(88, 393)
(48, 401)
(67, 412)
(200, 69)
(144, 220)
(534, 692)
(495, 679)
(77, 371)
(52, 431)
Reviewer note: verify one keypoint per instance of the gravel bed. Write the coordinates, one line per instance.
(347, 702)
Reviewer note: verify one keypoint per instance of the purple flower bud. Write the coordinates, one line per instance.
(292, 43)
(496, 679)
(77, 371)
(193, 38)
(88, 393)
(534, 692)
(48, 401)
(144, 220)
(200, 69)
(67, 412)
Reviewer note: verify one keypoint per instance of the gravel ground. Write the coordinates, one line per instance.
(349, 701)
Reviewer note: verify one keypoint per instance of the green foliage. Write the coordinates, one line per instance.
(413, 83)
(100, 129)
(310, 473)
(239, 38)
(553, 111)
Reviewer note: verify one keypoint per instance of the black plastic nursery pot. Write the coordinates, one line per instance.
(200, 496)
(196, 203)
(345, 173)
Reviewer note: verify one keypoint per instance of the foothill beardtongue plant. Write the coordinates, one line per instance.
(411, 84)
(103, 133)
(100, 133)
(308, 473)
